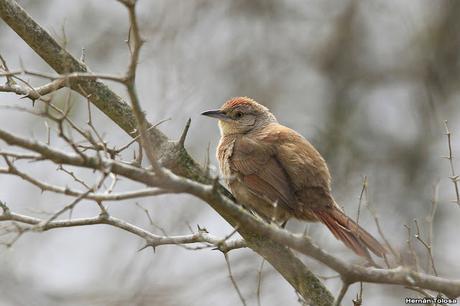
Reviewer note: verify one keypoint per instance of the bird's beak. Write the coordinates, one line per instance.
(216, 114)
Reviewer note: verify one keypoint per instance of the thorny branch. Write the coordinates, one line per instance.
(232, 279)
(454, 178)
(150, 238)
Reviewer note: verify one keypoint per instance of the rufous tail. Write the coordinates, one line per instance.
(349, 232)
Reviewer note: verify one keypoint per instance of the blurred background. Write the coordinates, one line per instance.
(368, 83)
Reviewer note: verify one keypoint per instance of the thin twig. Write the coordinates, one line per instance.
(75, 178)
(363, 193)
(136, 41)
(259, 282)
(434, 207)
(232, 279)
(358, 301)
(382, 235)
(342, 292)
(411, 247)
(137, 137)
(4, 66)
(427, 246)
(454, 178)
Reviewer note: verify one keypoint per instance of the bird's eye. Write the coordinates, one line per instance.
(238, 115)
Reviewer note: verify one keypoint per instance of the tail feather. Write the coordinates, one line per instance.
(350, 233)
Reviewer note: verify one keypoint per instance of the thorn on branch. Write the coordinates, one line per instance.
(202, 229)
(5, 208)
(83, 55)
(184, 133)
(232, 279)
(342, 293)
(427, 246)
(450, 157)
(147, 245)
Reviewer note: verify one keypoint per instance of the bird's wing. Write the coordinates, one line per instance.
(295, 165)
(279, 164)
(304, 166)
(257, 167)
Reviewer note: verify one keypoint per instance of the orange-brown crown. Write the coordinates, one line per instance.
(246, 101)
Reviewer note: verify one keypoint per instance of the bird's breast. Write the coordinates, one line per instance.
(224, 153)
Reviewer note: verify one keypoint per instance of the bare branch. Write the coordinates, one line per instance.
(232, 279)
(33, 93)
(149, 237)
(454, 178)
(146, 192)
(259, 283)
(427, 247)
(342, 293)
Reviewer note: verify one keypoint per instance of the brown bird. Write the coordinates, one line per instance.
(278, 174)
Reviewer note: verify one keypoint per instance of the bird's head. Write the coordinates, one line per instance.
(241, 115)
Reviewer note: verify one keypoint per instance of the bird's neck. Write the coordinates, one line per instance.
(227, 129)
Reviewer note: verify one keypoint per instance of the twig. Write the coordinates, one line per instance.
(232, 279)
(135, 39)
(411, 247)
(33, 93)
(427, 246)
(68, 207)
(341, 295)
(146, 192)
(67, 77)
(382, 235)
(358, 301)
(147, 213)
(75, 178)
(137, 137)
(259, 282)
(454, 178)
(4, 66)
(434, 207)
(157, 240)
(363, 193)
